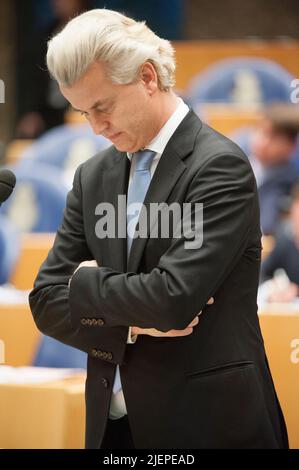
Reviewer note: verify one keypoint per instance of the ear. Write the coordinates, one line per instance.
(148, 77)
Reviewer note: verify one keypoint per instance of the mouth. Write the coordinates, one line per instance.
(114, 136)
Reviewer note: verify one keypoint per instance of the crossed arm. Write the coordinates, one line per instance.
(134, 331)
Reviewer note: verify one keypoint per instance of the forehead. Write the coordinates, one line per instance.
(93, 86)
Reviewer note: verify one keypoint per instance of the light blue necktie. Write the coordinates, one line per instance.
(136, 194)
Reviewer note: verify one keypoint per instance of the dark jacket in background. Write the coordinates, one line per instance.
(285, 255)
(277, 185)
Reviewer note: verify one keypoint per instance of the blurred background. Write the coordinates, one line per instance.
(238, 68)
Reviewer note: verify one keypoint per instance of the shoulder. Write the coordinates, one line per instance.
(216, 158)
(211, 144)
(208, 144)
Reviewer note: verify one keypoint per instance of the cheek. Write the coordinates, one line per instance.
(132, 121)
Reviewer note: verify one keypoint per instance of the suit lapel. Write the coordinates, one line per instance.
(169, 169)
(115, 184)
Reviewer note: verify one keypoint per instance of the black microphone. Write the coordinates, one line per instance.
(7, 184)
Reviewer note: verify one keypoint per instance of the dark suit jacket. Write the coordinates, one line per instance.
(278, 183)
(211, 389)
(285, 255)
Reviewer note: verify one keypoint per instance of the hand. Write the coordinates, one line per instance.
(135, 330)
(87, 264)
(288, 294)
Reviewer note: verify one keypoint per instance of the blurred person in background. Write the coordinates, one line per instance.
(280, 270)
(43, 106)
(271, 151)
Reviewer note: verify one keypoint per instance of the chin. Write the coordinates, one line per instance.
(125, 148)
(121, 148)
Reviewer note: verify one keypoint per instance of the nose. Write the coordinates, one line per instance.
(98, 125)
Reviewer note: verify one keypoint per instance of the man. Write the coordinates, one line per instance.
(180, 385)
(280, 270)
(272, 146)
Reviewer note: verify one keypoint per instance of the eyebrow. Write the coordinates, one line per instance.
(95, 105)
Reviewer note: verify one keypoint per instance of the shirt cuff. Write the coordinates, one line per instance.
(131, 338)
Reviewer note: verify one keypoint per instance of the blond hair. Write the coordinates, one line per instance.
(122, 44)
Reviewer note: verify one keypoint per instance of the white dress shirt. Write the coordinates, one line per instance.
(157, 145)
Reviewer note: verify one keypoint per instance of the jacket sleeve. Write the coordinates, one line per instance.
(180, 285)
(49, 300)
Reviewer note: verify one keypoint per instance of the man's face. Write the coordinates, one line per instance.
(269, 146)
(125, 114)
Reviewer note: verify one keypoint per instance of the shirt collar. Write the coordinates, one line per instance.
(159, 142)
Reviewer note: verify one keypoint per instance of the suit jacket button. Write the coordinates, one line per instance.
(94, 352)
(104, 354)
(110, 356)
(93, 321)
(83, 321)
(105, 382)
(100, 322)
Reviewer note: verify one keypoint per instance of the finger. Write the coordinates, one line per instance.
(176, 333)
(91, 263)
(211, 301)
(194, 322)
(187, 331)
